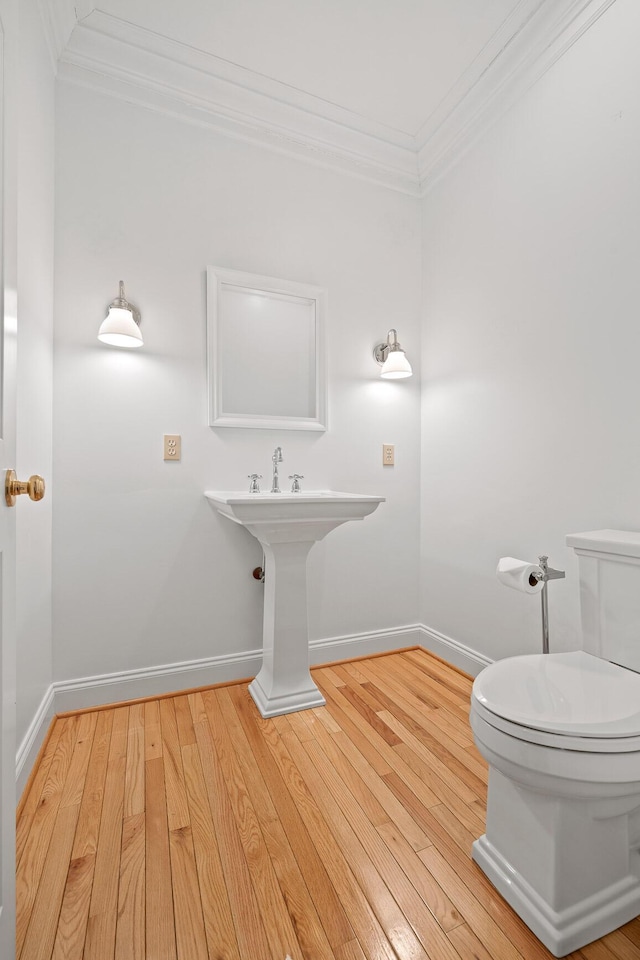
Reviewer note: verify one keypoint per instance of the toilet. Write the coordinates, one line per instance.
(561, 735)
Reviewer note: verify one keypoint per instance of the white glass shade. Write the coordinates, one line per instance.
(119, 329)
(396, 366)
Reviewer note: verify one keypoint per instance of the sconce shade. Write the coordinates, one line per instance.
(120, 327)
(396, 366)
(391, 357)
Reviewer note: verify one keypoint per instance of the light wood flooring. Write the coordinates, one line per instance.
(188, 828)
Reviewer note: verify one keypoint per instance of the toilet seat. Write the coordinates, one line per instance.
(570, 701)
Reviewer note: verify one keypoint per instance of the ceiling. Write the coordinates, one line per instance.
(391, 61)
(390, 90)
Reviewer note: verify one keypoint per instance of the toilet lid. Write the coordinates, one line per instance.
(574, 694)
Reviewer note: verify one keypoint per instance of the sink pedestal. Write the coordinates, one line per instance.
(287, 526)
(284, 683)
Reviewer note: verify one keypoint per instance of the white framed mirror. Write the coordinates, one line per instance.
(265, 352)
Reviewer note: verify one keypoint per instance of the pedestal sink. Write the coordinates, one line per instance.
(287, 526)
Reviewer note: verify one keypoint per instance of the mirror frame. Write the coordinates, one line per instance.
(216, 278)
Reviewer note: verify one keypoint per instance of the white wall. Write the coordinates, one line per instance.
(529, 335)
(145, 572)
(531, 344)
(35, 360)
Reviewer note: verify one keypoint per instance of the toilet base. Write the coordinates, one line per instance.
(566, 930)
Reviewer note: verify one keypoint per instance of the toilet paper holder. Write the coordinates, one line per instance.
(547, 573)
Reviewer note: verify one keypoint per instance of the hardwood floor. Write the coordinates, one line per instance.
(188, 828)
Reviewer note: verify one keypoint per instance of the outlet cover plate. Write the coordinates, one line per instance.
(172, 446)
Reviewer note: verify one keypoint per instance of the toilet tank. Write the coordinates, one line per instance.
(609, 573)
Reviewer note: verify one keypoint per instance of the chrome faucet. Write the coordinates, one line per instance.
(276, 459)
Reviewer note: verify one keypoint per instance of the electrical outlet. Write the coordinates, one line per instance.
(172, 446)
(388, 455)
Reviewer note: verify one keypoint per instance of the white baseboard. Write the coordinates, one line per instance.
(148, 682)
(363, 644)
(467, 659)
(33, 738)
(152, 681)
(67, 695)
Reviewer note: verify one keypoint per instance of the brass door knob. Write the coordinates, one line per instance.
(13, 487)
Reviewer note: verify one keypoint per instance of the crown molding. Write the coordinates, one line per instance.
(482, 97)
(59, 18)
(137, 65)
(122, 60)
(481, 67)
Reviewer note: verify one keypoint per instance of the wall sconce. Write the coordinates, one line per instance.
(392, 359)
(121, 328)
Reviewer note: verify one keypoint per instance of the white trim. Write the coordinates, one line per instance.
(49, 30)
(136, 65)
(149, 681)
(481, 69)
(120, 45)
(482, 96)
(219, 281)
(466, 658)
(59, 17)
(363, 644)
(105, 688)
(33, 738)
(316, 151)
(139, 66)
(78, 694)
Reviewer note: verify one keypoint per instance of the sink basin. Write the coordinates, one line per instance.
(292, 516)
(287, 526)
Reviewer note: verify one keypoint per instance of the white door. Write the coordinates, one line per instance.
(8, 332)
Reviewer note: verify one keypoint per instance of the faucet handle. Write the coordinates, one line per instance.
(254, 486)
(295, 486)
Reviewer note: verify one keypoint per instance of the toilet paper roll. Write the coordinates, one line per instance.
(517, 573)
